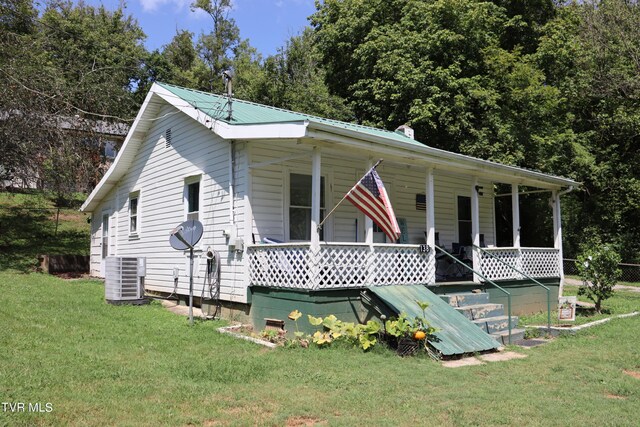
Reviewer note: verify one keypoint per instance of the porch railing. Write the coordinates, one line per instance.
(339, 265)
(517, 263)
(484, 252)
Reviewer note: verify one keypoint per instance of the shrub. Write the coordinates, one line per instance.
(598, 267)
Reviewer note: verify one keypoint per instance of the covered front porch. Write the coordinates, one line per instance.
(450, 216)
(445, 211)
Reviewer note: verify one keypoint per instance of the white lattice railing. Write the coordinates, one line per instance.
(339, 265)
(534, 262)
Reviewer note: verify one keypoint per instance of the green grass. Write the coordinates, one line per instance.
(28, 228)
(622, 302)
(99, 364)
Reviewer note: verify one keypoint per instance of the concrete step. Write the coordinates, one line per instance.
(481, 311)
(503, 336)
(466, 298)
(496, 323)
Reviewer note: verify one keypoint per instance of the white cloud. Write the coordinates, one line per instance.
(153, 5)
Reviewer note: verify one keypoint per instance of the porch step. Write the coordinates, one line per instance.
(503, 336)
(481, 311)
(487, 316)
(496, 323)
(466, 298)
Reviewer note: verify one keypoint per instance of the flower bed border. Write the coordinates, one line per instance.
(229, 331)
(556, 330)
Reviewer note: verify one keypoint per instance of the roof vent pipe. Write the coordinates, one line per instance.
(406, 130)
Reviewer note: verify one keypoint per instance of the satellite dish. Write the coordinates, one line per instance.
(183, 237)
(186, 235)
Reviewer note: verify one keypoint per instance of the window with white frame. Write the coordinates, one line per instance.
(134, 213)
(300, 206)
(192, 197)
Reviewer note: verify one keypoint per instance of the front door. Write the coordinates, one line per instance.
(104, 242)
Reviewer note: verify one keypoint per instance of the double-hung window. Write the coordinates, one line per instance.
(192, 197)
(300, 206)
(134, 213)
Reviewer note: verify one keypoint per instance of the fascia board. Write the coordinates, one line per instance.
(436, 156)
(119, 166)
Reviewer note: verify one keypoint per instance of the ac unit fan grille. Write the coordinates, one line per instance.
(121, 279)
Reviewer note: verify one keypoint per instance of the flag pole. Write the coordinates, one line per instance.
(345, 196)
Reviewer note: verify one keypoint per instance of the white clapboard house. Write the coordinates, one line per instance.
(260, 179)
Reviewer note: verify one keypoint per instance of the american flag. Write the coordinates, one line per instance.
(371, 198)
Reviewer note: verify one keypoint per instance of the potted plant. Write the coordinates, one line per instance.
(409, 334)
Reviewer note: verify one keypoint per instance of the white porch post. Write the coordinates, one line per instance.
(315, 197)
(557, 235)
(515, 214)
(368, 222)
(431, 220)
(316, 173)
(431, 217)
(475, 226)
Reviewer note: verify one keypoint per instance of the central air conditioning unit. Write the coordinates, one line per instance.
(124, 280)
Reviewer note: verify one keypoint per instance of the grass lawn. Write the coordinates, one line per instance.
(99, 364)
(635, 284)
(621, 302)
(28, 228)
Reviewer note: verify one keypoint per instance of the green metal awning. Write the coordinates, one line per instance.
(455, 333)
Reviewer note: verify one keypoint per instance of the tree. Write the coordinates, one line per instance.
(176, 63)
(293, 79)
(215, 48)
(60, 73)
(440, 66)
(590, 53)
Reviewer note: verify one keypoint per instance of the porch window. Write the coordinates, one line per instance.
(464, 221)
(300, 206)
(192, 197)
(134, 212)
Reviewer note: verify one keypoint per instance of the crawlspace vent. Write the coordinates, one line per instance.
(167, 138)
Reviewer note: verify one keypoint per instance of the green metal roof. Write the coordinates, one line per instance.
(455, 333)
(250, 113)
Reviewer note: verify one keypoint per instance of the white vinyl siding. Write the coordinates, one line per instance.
(160, 174)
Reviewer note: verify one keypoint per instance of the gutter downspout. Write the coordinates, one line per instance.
(567, 191)
(232, 226)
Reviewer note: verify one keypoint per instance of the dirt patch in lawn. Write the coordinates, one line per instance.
(633, 374)
(614, 396)
(304, 421)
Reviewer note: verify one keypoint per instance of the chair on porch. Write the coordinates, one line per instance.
(454, 270)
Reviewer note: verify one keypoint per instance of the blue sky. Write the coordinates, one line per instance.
(268, 24)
